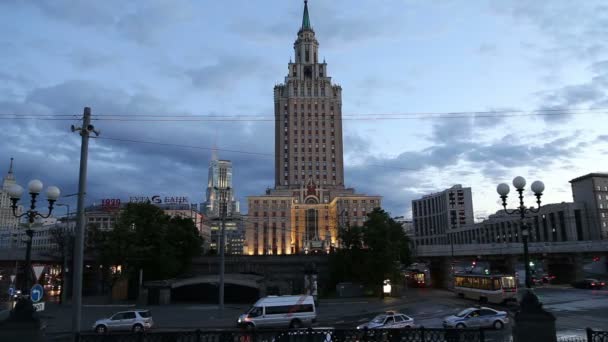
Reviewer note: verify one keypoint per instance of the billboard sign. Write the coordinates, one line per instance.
(157, 199)
(110, 204)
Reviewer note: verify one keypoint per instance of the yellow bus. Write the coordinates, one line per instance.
(486, 288)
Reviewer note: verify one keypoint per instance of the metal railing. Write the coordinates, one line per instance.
(299, 335)
(596, 335)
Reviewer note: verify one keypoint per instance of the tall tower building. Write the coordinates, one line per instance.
(309, 201)
(308, 113)
(218, 183)
(7, 219)
(220, 179)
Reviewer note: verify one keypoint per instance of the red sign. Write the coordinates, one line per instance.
(110, 204)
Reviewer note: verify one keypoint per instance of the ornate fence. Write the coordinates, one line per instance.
(596, 335)
(316, 335)
(302, 335)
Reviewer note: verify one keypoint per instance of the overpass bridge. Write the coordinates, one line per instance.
(513, 248)
(567, 261)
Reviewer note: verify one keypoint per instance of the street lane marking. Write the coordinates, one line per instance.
(363, 320)
(339, 303)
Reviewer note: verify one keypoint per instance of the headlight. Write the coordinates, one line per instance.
(239, 320)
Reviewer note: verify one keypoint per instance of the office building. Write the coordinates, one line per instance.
(591, 191)
(437, 214)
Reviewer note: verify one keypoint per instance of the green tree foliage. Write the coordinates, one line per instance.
(372, 253)
(144, 237)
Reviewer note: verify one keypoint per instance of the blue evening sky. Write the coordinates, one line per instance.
(223, 58)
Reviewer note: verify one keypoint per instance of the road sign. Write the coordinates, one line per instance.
(38, 270)
(39, 306)
(36, 293)
(11, 291)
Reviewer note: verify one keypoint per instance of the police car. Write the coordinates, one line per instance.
(480, 317)
(389, 320)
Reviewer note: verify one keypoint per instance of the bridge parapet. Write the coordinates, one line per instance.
(512, 248)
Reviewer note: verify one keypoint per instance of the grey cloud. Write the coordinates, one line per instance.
(87, 60)
(226, 72)
(487, 49)
(355, 145)
(80, 13)
(591, 94)
(576, 29)
(412, 174)
(140, 22)
(122, 168)
(326, 17)
(145, 22)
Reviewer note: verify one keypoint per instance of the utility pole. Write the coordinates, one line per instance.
(85, 132)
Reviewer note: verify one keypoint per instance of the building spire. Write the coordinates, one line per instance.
(305, 18)
(10, 168)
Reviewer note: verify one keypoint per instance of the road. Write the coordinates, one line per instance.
(575, 310)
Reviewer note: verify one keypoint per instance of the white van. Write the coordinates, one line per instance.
(280, 312)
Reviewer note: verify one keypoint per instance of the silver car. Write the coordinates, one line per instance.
(134, 320)
(389, 320)
(481, 317)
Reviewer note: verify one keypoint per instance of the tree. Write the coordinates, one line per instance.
(371, 253)
(387, 246)
(144, 237)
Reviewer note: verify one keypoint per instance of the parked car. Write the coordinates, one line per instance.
(389, 320)
(593, 284)
(280, 312)
(133, 320)
(480, 317)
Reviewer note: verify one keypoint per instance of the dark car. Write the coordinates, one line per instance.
(542, 279)
(593, 284)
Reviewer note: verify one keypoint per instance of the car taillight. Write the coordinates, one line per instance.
(592, 284)
(603, 284)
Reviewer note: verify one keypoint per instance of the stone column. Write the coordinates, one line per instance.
(533, 323)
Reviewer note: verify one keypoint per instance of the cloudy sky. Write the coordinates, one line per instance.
(527, 77)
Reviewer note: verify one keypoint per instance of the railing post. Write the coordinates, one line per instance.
(198, 335)
(481, 335)
(589, 334)
(422, 338)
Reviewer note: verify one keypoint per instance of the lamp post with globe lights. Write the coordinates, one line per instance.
(503, 190)
(34, 188)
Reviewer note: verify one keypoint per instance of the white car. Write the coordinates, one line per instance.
(481, 317)
(134, 320)
(389, 320)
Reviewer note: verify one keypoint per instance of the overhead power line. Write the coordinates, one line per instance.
(345, 116)
(184, 146)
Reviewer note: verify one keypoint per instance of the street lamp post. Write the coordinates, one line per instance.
(537, 187)
(34, 188)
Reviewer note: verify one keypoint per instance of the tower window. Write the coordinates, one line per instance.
(308, 71)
